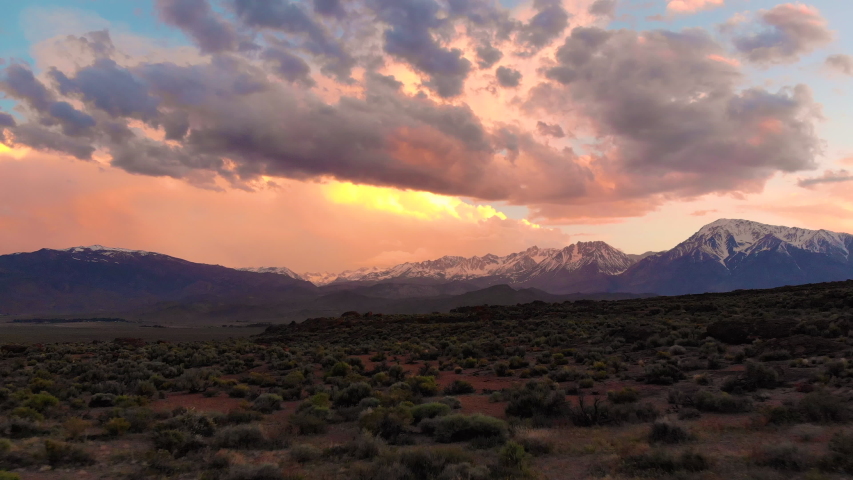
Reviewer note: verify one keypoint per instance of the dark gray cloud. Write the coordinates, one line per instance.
(41, 138)
(508, 77)
(486, 19)
(199, 21)
(110, 88)
(73, 121)
(783, 34)
(7, 120)
(487, 55)
(828, 176)
(291, 18)
(603, 8)
(841, 63)
(546, 26)
(675, 117)
(289, 66)
(331, 8)
(18, 82)
(409, 37)
(545, 129)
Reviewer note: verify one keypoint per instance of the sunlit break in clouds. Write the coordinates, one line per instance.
(372, 127)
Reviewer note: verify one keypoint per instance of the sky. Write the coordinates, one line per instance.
(324, 135)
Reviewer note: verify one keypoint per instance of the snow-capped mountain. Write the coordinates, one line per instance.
(521, 268)
(277, 270)
(100, 279)
(732, 254)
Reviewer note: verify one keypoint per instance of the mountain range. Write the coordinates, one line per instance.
(722, 256)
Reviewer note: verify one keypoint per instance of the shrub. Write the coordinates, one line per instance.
(722, 403)
(304, 453)
(117, 426)
(308, 424)
(756, 376)
(240, 437)
(452, 402)
(9, 476)
(656, 463)
(668, 432)
(428, 410)
(536, 446)
(353, 394)
(60, 453)
(20, 428)
(40, 402)
(240, 415)
(502, 369)
(586, 383)
(536, 399)
(663, 374)
(254, 472)
(102, 400)
(430, 463)
(514, 459)
(459, 428)
(190, 422)
(424, 385)
(781, 457)
(459, 387)
(823, 407)
(626, 395)
(841, 452)
(267, 403)
(387, 423)
(689, 414)
(239, 391)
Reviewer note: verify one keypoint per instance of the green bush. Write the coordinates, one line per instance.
(536, 399)
(117, 426)
(459, 428)
(60, 453)
(254, 472)
(626, 395)
(267, 403)
(387, 423)
(823, 407)
(9, 476)
(428, 410)
(459, 387)
(240, 437)
(430, 463)
(353, 394)
(663, 374)
(722, 403)
(304, 453)
(668, 432)
(782, 457)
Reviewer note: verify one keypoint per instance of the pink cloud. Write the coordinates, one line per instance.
(692, 6)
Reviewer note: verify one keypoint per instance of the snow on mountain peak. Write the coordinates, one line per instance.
(514, 267)
(109, 251)
(725, 238)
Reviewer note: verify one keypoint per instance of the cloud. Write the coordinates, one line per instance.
(199, 21)
(692, 6)
(508, 77)
(488, 55)
(550, 21)
(841, 63)
(783, 34)
(702, 213)
(603, 8)
(654, 116)
(678, 123)
(828, 176)
(291, 18)
(555, 130)
(409, 37)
